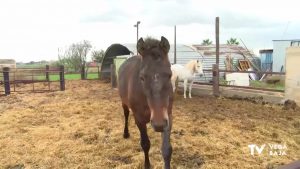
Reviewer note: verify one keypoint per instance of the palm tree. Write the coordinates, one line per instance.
(206, 42)
(233, 41)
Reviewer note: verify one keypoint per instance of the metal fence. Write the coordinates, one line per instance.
(215, 82)
(11, 78)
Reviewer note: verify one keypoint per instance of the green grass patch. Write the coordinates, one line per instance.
(92, 76)
(260, 84)
(75, 76)
(32, 66)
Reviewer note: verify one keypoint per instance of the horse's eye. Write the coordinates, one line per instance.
(169, 76)
(142, 79)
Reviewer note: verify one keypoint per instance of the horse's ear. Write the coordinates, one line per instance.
(164, 44)
(140, 46)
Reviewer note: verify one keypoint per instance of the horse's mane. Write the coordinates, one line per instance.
(191, 65)
(151, 42)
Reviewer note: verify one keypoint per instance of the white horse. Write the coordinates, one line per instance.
(186, 74)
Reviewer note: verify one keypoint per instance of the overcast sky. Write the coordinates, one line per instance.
(33, 30)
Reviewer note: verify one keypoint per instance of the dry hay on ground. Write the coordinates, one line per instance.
(82, 128)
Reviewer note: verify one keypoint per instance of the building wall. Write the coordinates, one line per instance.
(292, 79)
(279, 49)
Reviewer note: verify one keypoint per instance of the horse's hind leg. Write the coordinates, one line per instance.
(126, 114)
(184, 87)
(190, 89)
(173, 81)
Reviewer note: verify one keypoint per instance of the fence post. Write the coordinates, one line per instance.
(62, 78)
(6, 80)
(47, 72)
(112, 76)
(216, 91)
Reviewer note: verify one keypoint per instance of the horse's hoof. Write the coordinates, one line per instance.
(126, 135)
(147, 166)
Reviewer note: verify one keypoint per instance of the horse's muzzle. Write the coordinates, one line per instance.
(159, 127)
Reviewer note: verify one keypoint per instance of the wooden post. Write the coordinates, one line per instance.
(215, 80)
(47, 72)
(216, 90)
(15, 80)
(217, 41)
(175, 57)
(6, 80)
(62, 78)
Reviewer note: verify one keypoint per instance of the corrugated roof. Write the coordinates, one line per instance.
(287, 40)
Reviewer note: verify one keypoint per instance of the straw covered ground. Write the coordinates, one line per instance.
(82, 128)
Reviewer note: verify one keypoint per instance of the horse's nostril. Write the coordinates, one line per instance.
(159, 127)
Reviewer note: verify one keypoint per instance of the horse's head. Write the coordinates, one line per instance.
(155, 77)
(199, 67)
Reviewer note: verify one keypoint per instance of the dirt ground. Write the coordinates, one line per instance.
(82, 127)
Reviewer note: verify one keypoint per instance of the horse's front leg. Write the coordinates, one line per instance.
(190, 88)
(145, 143)
(184, 87)
(173, 81)
(126, 114)
(166, 147)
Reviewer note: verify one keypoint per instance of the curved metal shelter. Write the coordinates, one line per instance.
(112, 52)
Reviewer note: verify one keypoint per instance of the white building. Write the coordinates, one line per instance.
(279, 52)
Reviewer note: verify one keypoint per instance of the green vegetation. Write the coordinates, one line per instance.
(32, 65)
(206, 42)
(260, 84)
(75, 76)
(233, 41)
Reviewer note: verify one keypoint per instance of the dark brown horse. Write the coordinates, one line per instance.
(145, 88)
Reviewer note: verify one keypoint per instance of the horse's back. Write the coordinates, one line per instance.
(177, 67)
(181, 72)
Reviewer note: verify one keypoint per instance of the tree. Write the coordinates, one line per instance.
(97, 55)
(206, 42)
(233, 41)
(76, 55)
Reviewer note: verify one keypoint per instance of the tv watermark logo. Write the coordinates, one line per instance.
(270, 149)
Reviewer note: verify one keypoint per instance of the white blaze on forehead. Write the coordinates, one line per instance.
(156, 75)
